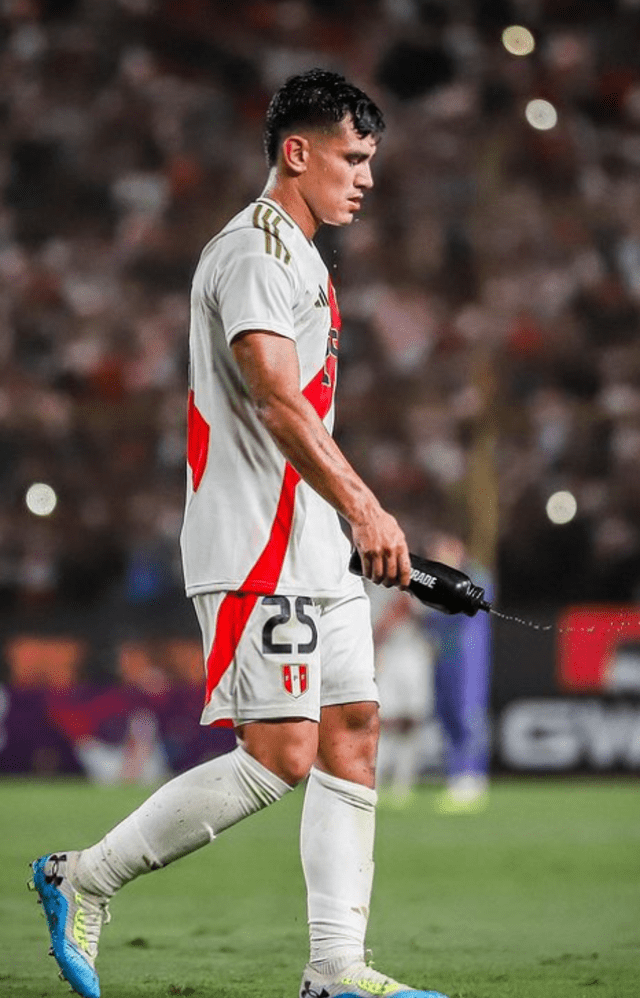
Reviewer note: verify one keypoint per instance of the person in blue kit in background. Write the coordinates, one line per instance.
(462, 678)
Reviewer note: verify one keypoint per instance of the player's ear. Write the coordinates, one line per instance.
(295, 153)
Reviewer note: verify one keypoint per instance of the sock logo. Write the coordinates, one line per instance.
(308, 992)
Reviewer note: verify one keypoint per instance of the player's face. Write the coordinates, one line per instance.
(338, 174)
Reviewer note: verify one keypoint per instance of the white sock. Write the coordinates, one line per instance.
(180, 817)
(336, 844)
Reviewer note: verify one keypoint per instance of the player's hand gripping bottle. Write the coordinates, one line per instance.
(439, 586)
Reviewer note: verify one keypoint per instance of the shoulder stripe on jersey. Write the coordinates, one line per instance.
(267, 219)
(281, 215)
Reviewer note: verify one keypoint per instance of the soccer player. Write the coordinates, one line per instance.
(286, 628)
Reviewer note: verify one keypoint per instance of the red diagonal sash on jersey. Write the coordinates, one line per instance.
(198, 431)
(236, 607)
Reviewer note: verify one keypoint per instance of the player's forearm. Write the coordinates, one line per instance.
(304, 440)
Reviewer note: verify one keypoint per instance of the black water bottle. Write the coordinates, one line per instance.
(439, 586)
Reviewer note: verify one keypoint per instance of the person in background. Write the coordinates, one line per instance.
(462, 679)
(404, 673)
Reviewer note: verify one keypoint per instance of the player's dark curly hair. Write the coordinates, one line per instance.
(318, 99)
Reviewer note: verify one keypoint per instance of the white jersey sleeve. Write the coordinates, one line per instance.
(252, 289)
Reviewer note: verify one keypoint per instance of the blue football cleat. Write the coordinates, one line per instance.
(74, 919)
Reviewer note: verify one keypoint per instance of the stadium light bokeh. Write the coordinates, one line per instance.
(518, 40)
(41, 499)
(541, 114)
(561, 507)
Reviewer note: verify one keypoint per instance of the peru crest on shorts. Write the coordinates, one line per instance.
(295, 680)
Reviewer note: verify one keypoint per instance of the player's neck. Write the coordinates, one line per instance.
(287, 195)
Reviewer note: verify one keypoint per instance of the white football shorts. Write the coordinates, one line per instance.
(283, 656)
(404, 673)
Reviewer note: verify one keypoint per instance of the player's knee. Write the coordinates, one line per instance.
(361, 719)
(354, 730)
(292, 759)
(349, 741)
(288, 750)
(295, 762)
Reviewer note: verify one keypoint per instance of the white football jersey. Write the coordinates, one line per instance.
(250, 522)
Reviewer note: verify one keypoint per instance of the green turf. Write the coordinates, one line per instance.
(537, 897)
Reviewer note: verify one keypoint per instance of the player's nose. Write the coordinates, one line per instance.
(364, 179)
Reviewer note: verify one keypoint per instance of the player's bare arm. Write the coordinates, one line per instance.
(269, 366)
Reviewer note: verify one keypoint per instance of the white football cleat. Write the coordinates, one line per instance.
(360, 980)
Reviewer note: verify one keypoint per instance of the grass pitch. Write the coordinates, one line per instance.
(537, 897)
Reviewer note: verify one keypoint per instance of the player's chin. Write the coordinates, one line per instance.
(343, 218)
(339, 223)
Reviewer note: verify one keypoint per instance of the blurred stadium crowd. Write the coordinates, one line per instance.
(490, 290)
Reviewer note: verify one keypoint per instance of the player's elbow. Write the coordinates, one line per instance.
(276, 417)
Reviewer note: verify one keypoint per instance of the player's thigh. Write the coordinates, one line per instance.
(346, 643)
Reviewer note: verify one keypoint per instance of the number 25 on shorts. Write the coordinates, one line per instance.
(298, 626)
